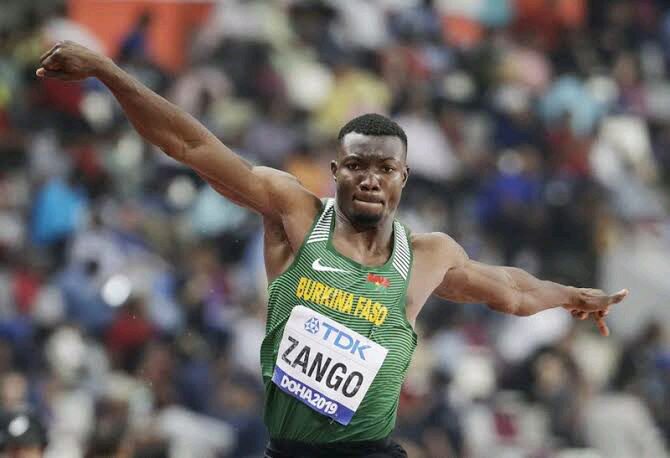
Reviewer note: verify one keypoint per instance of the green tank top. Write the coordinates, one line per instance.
(369, 301)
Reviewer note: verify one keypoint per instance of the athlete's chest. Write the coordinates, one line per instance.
(336, 283)
(365, 258)
(348, 293)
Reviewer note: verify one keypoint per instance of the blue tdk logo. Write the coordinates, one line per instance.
(312, 325)
(344, 341)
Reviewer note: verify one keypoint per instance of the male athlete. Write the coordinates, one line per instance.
(347, 280)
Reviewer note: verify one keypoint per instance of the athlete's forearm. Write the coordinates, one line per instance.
(535, 295)
(182, 137)
(157, 120)
(512, 290)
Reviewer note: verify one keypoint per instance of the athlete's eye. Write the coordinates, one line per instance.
(353, 166)
(388, 169)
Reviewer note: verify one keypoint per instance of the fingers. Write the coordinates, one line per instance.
(44, 73)
(602, 327)
(53, 59)
(53, 62)
(48, 54)
(592, 300)
(618, 297)
(580, 315)
(583, 315)
(598, 316)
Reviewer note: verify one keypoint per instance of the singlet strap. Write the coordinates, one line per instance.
(321, 229)
(402, 258)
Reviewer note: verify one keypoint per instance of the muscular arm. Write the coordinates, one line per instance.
(178, 134)
(183, 138)
(512, 290)
(505, 289)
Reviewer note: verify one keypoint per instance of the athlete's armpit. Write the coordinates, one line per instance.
(469, 281)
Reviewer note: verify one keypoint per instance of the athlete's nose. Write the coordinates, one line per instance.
(370, 183)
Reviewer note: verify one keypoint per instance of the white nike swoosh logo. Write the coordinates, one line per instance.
(316, 265)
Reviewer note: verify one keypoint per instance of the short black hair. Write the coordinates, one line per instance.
(373, 124)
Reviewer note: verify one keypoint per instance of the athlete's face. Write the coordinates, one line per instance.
(370, 172)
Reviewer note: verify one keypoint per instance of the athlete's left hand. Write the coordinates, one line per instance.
(594, 303)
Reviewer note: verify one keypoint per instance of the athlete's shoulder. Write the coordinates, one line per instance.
(288, 193)
(438, 248)
(270, 172)
(281, 180)
(431, 240)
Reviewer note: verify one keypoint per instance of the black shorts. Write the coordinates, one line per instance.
(385, 448)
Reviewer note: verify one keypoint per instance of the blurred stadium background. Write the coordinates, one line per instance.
(132, 296)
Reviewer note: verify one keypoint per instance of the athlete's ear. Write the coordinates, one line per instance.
(405, 176)
(333, 169)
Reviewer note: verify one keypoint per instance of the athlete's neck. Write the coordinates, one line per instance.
(365, 244)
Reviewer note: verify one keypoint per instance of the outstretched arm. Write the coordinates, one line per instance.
(179, 135)
(515, 291)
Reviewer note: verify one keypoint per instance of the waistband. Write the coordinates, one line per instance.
(289, 447)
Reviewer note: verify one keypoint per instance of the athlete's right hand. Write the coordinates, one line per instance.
(594, 303)
(69, 61)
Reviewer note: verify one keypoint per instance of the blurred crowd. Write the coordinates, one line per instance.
(132, 296)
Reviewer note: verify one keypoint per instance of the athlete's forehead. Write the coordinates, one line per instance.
(379, 147)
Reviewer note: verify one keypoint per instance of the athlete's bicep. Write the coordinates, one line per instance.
(275, 193)
(476, 282)
(469, 281)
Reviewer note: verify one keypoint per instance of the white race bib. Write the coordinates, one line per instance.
(326, 365)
